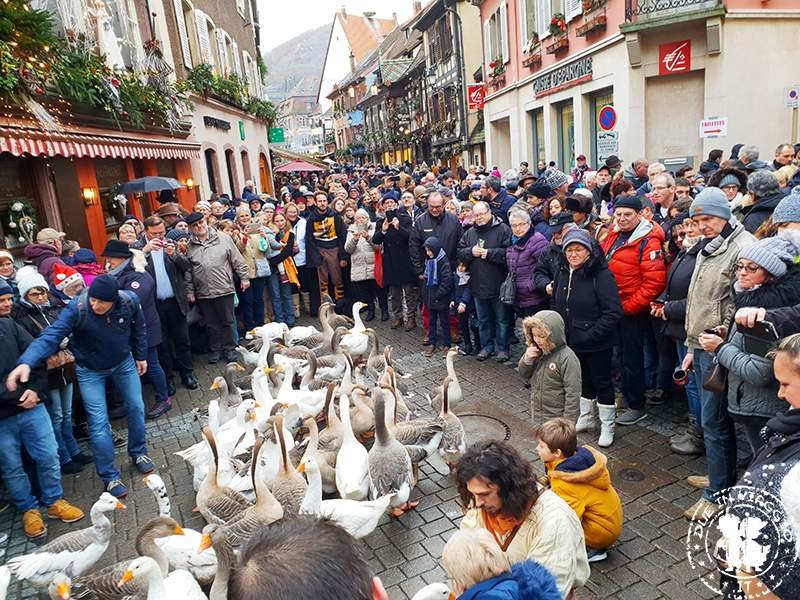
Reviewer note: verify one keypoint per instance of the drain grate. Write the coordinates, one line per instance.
(483, 427)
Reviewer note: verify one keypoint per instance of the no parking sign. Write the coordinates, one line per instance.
(607, 118)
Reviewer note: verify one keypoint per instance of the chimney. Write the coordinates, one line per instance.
(344, 11)
(394, 17)
(417, 7)
(352, 63)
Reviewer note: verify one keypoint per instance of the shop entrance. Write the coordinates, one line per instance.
(671, 126)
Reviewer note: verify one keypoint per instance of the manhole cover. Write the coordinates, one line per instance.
(631, 475)
(636, 479)
(481, 427)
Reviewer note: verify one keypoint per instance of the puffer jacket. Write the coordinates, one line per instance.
(674, 296)
(527, 580)
(556, 374)
(588, 301)
(759, 212)
(521, 258)
(638, 266)
(487, 274)
(132, 276)
(362, 254)
(213, 265)
(582, 481)
(709, 302)
(44, 256)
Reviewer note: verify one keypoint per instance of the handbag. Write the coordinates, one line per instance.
(508, 289)
(60, 359)
(717, 380)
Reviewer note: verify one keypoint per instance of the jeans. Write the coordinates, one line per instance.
(691, 388)
(252, 303)
(281, 296)
(175, 351)
(155, 375)
(60, 409)
(93, 391)
(492, 324)
(632, 331)
(31, 429)
(718, 431)
(659, 358)
(442, 317)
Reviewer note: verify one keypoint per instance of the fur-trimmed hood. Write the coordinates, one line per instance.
(587, 465)
(547, 324)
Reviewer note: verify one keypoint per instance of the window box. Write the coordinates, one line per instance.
(557, 45)
(498, 81)
(591, 5)
(534, 61)
(596, 23)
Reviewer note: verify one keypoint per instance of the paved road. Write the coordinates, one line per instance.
(648, 562)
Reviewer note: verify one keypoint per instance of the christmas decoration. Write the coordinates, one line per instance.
(22, 222)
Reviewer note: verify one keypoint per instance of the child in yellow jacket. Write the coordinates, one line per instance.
(579, 475)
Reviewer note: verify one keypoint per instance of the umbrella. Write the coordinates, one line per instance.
(149, 184)
(297, 165)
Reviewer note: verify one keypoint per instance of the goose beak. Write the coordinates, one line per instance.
(205, 543)
(301, 468)
(214, 386)
(178, 530)
(267, 370)
(251, 334)
(120, 506)
(126, 577)
(62, 590)
(452, 596)
(239, 368)
(258, 405)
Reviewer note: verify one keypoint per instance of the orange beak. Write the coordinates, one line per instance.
(214, 386)
(62, 590)
(452, 596)
(301, 468)
(178, 530)
(120, 506)
(205, 543)
(239, 368)
(126, 577)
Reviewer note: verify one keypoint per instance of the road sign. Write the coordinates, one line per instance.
(476, 92)
(792, 96)
(607, 145)
(276, 135)
(607, 118)
(714, 127)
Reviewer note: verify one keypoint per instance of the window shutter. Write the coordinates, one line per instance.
(523, 23)
(503, 26)
(201, 25)
(572, 8)
(223, 52)
(237, 60)
(182, 33)
(487, 45)
(544, 13)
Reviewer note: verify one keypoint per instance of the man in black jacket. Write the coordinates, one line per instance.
(545, 271)
(483, 249)
(167, 266)
(325, 237)
(435, 222)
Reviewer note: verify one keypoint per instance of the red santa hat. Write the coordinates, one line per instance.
(64, 276)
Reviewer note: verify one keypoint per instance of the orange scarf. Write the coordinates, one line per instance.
(288, 265)
(502, 527)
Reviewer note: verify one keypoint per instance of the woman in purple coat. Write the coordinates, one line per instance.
(522, 255)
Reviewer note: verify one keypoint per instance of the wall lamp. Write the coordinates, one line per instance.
(89, 196)
(189, 183)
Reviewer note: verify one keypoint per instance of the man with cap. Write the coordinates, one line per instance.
(214, 263)
(170, 213)
(109, 341)
(709, 304)
(129, 268)
(635, 255)
(581, 166)
(614, 164)
(637, 172)
(67, 283)
(6, 299)
(167, 265)
(557, 181)
(46, 252)
(546, 268)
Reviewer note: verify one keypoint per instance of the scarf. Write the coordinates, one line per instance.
(463, 278)
(432, 269)
(290, 269)
(501, 527)
(116, 272)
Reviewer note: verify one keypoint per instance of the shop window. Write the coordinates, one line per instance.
(111, 173)
(17, 201)
(566, 136)
(537, 129)
(211, 169)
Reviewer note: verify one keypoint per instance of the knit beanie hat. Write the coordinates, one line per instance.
(5, 254)
(5, 289)
(577, 236)
(177, 234)
(555, 178)
(762, 184)
(626, 201)
(539, 189)
(30, 281)
(730, 179)
(773, 254)
(712, 202)
(788, 209)
(64, 276)
(85, 256)
(105, 288)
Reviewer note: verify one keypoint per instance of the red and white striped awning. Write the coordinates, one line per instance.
(21, 141)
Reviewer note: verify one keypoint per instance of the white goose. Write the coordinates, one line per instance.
(352, 460)
(456, 396)
(309, 402)
(5, 580)
(355, 341)
(77, 551)
(435, 591)
(178, 584)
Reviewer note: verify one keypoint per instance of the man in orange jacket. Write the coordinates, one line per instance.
(634, 250)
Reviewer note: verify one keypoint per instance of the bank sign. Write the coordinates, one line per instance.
(572, 74)
(675, 57)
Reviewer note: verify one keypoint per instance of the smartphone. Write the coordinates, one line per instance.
(711, 331)
(390, 215)
(760, 338)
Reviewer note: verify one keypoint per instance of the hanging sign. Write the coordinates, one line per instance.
(476, 93)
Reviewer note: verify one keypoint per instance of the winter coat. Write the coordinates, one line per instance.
(759, 212)
(521, 258)
(582, 481)
(44, 256)
(638, 266)
(325, 230)
(99, 342)
(397, 269)
(588, 301)
(707, 167)
(501, 204)
(35, 319)
(676, 292)
(546, 268)
(212, 266)
(550, 535)
(362, 253)
(709, 302)
(14, 340)
(446, 228)
(89, 271)
(786, 319)
(556, 374)
(527, 580)
(486, 274)
(133, 277)
(439, 297)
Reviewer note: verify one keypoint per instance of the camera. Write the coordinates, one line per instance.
(390, 215)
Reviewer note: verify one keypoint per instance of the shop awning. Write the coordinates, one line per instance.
(20, 141)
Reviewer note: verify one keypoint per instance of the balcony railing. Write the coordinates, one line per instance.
(638, 10)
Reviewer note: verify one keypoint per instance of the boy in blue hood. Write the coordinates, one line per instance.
(437, 292)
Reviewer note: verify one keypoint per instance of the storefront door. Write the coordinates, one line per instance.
(566, 136)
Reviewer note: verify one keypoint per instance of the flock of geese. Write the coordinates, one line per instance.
(323, 429)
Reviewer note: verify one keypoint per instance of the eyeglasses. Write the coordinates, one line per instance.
(575, 249)
(749, 268)
(660, 187)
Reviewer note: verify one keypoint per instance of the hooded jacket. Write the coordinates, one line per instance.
(708, 167)
(582, 481)
(13, 342)
(446, 228)
(556, 374)
(397, 270)
(44, 256)
(486, 275)
(212, 266)
(438, 297)
(132, 276)
(588, 301)
(362, 253)
(521, 258)
(759, 212)
(527, 581)
(638, 266)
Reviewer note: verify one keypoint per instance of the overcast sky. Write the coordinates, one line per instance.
(281, 20)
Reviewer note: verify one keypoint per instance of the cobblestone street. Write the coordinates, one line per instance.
(648, 562)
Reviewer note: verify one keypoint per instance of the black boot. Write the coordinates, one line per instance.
(476, 340)
(384, 314)
(370, 313)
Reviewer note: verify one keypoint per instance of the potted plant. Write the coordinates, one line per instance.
(590, 5)
(558, 25)
(533, 43)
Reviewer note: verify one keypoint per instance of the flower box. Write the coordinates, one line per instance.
(596, 23)
(557, 45)
(591, 5)
(498, 81)
(533, 61)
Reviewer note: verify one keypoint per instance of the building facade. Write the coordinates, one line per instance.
(301, 121)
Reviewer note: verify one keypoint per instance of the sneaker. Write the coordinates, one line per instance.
(702, 510)
(71, 468)
(116, 488)
(144, 464)
(213, 358)
(33, 524)
(189, 381)
(630, 416)
(118, 439)
(64, 511)
(699, 482)
(483, 355)
(502, 357)
(429, 350)
(83, 459)
(160, 409)
(596, 555)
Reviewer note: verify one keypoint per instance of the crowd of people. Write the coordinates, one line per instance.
(634, 286)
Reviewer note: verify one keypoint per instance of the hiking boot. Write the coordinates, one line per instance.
(397, 323)
(213, 358)
(596, 555)
(33, 523)
(699, 482)
(630, 416)
(83, 459)
(71, 468)
(690, 444)
(429, 350)
(189, 381)
(116, 488)
(384, 315)
(118, 439)
(160, 409)
(144, 464)
(702, 510)
(411, 325)
(64, 511)
(502, 357)
(483, 355)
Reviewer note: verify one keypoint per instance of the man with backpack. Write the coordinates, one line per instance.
(109, 341)
(635, 255)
